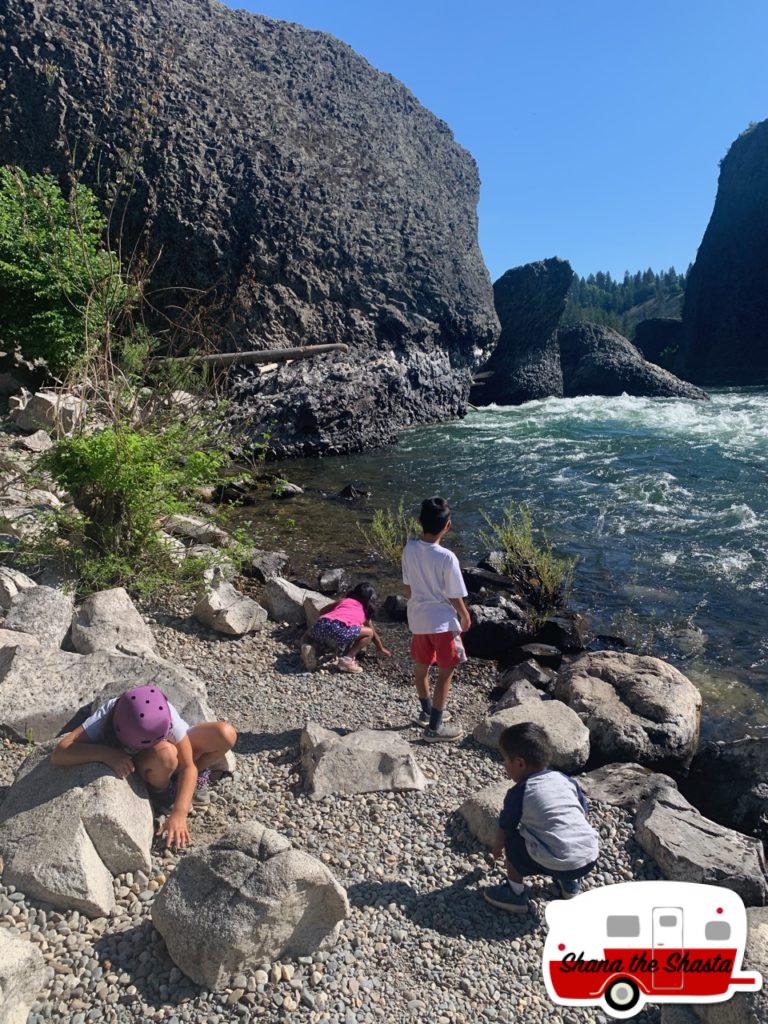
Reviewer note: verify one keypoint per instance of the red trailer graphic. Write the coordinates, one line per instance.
(664, 942)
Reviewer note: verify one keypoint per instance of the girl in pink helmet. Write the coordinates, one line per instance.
(142, 731)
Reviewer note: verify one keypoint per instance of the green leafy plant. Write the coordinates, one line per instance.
(543, 576)
(59, 283)
(389, 532)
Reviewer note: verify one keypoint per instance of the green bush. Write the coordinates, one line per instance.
(122, 482)
(389, 531)
(543, 576)
(59, 286)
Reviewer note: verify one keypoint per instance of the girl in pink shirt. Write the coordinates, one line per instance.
(344, 626)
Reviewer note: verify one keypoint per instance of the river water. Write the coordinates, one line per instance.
(663, 502)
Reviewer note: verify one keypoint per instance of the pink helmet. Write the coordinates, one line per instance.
(141, 717)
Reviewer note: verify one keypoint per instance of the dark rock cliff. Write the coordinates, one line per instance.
(725, 313)
(596, 360)
(311, 194)
(660, 339)
(529, 301)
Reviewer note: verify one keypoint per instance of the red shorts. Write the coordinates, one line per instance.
(435, 649)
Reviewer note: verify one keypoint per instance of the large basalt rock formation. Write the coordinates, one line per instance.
(525, 364)
(309, 194)
(725, 314)
(597, 360)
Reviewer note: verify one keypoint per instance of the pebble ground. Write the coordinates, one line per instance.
(420, 943)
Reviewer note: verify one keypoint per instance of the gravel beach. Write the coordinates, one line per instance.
(420, 942)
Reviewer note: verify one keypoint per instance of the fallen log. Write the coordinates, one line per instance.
(268, 355)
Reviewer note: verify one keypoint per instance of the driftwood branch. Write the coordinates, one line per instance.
(271, 355)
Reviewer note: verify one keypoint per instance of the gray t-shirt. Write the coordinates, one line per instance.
(96, 725)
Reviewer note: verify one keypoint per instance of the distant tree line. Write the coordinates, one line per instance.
(601, 299)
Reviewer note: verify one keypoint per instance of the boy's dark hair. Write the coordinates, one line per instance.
(435, 513)
(529, 741)
(367, 596)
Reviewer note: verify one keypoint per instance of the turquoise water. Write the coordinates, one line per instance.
(663, 502)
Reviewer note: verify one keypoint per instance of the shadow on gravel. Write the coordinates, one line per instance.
(458, 910)
(140, 953)
(258, 742)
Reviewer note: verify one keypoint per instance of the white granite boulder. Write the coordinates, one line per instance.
(624, 785)
(109, 621)
(517, 693)
(223, 608)
(366, 761)
(565, 730)
(285, 601)
(313, 607)
(22, 977)
(193, 528)
(11, 582)
(247, 898)
(12, 638)
(53, 411)
(636, 708)
(65, 832)
(43, 612)
(481, 811)
(690, 848)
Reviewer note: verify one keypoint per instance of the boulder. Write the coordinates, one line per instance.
(690, 848)
(542, 654)
(43, 612)
(266, 565)
(596, 360)
(529, 671)
(331, 581)
(285, 601)
(351, 493)
(517, 693)
(624, 785)
(109, 621)
(313, 607)
(484, 578)
(175, 548)
(12, 638)
(366, 761)
(11, 582)
(192, 528)
(495, 631)
(529, 301)
(65, 832)
(636, 708)
(217, 563)
(52, 411)
(247, 898)
(396, 608)
(567, 632)
(9, 384)
(566, 732)
(730, 781)
(481, 811)
(285, 489)
(23, 976)
(37, 443)
(226, 610)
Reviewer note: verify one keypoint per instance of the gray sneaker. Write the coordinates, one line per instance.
(445, 734)
(422, 718)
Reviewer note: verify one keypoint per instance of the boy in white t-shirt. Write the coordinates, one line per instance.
(436, 615)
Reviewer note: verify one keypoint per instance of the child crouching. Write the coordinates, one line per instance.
(345, 627)
(543, 827)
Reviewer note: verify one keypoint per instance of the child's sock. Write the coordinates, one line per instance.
(435, 718)
(426, 705)
(517, 887)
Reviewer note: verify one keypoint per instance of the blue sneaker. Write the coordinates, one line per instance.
(569, 888)
(501, 896)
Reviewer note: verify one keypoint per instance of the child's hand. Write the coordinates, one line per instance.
(121, 763)
(466, 622)
(175, 829)
(385, 651)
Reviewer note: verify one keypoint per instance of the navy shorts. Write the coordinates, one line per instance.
(335, 634)
(524, 864)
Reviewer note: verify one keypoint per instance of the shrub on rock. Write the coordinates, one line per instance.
(246, 898)
(636, 708)
(109, 621)
(565, 730)
(690, 848)
(366, 761)
(22, 977)
(64, 832)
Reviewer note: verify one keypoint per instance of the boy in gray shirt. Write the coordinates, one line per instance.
(543, 827)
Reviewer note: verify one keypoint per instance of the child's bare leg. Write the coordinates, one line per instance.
(421, 679)
(157, 765)
(366, 635)
(442, 688)
(210, 742)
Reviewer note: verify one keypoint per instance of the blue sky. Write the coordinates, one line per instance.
(597, 126)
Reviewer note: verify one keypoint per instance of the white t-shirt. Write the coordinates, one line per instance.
(96, 725)
(433, 574)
